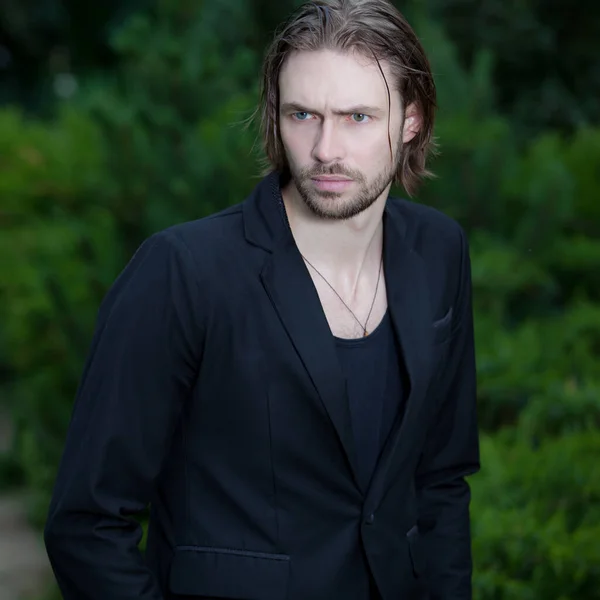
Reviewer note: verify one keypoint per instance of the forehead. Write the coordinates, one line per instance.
(329, 80)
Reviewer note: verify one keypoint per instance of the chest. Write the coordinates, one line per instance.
(349, 316)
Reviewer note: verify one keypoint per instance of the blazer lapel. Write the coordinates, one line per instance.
(295, 299)
(297, 303)
(409, 306)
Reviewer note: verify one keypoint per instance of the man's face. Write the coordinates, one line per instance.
(333, 122)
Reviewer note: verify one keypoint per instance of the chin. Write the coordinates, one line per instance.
(336, 208)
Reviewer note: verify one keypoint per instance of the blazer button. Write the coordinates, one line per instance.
(370, 519)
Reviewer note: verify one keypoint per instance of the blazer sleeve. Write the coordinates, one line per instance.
(141, 365)
(451, 453)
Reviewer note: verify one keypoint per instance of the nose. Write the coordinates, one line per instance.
(328, 146)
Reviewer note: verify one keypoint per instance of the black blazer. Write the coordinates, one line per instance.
(212, 391)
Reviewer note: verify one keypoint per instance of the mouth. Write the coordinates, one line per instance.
(331, 183)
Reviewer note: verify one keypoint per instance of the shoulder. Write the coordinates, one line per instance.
(422, 221)
(196, 241)
(440, 242)
(209, 233)
(430, 232)
(187, 247)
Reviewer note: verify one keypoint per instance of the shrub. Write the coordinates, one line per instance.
(63, 253)
(536, 518)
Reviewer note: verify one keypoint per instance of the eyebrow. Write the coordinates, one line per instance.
(361, 109)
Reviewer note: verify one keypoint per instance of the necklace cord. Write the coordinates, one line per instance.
(364, 327)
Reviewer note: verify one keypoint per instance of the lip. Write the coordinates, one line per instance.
(331, 183)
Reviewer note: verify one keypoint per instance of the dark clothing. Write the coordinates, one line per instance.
(372, 367)
(213, 391)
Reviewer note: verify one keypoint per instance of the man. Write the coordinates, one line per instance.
(290, 383)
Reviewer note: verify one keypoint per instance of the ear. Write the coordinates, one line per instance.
(412, 123)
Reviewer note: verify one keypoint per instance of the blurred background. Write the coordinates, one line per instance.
(122, 117)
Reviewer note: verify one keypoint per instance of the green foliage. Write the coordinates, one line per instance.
(162, 141)
(172, 118)
(11, 472)
(537, 518)
(60, 238)
(546, 55)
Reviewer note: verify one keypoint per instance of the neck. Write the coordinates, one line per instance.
(343, 249)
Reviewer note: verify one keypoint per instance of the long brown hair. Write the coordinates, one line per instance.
(376, 29)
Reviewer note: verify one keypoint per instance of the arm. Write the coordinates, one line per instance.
(141, 365)
(451, 453)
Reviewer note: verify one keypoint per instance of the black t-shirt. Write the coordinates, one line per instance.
(375, 381)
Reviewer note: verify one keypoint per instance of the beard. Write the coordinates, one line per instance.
(331, 205)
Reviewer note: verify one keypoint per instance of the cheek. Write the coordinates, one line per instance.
(373, 152)
(294, 142)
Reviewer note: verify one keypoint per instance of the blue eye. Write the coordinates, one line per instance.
(301, 116)
(361, 118)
